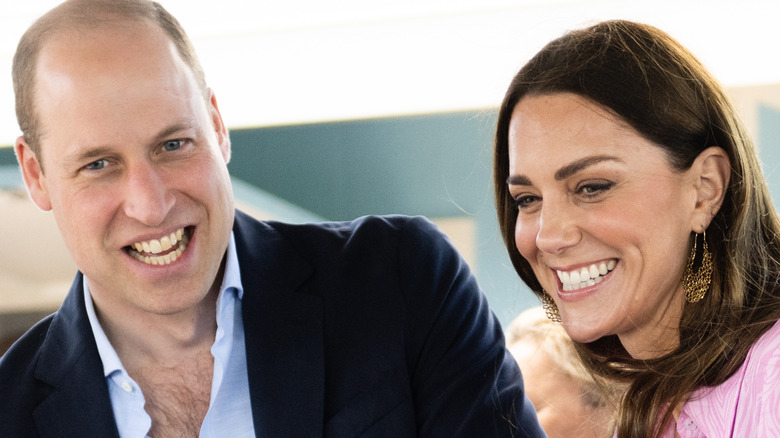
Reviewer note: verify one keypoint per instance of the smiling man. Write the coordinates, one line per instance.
(187, 317)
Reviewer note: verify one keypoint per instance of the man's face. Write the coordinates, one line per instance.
(135, 167)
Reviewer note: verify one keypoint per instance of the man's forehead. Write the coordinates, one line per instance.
(86, 38)
(116, 64)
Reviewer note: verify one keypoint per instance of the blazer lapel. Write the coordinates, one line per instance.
(77, 404)
(283, 332)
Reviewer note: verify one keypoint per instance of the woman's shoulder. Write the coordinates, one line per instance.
(763, 361)
(757, 411)
(746, 404)
(768, 345)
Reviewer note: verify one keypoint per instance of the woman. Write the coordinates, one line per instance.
(569, 400)
(632, 203)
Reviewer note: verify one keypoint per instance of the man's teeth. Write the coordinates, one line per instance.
(586, 276)
(147, 251)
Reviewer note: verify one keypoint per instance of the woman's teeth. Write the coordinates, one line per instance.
(586, 276)
(150, 251)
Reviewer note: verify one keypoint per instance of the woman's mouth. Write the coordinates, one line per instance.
(586, 276)
(163, 251)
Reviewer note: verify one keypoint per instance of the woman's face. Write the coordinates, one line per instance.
(603, 220)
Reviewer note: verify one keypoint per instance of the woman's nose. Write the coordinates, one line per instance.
(558, 228)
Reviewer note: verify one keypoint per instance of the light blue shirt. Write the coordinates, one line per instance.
(230, 410)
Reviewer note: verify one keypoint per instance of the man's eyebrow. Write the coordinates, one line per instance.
(174, 128)
(565, 171)
(93, 153)
(88, 155)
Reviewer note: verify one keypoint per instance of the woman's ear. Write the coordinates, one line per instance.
(712, 172)
(32, 172)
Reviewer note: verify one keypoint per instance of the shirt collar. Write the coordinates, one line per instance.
(111, 363)
(232, 276)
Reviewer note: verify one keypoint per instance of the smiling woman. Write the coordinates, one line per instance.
(619, 165)
(583, 209)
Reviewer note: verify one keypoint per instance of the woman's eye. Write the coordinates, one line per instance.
(172, 145)
(525, 201)
(594, 188)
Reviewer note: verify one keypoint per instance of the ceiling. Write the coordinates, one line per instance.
(280, 62)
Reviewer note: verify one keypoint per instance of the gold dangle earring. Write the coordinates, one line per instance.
(696, 284)
(550, 308)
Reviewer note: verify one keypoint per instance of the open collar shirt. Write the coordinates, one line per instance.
(230, 411)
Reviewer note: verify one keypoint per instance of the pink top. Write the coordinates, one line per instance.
(745, 405)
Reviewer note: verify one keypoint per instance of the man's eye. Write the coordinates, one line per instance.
(172, 145)
(96, 165)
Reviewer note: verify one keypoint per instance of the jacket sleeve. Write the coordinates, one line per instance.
(464, 382)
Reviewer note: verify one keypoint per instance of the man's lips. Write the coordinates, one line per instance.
(163, 251)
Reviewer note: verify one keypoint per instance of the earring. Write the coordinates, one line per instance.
(696, 284)
(550, 308)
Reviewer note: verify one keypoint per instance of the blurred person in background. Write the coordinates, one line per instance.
(569, 400)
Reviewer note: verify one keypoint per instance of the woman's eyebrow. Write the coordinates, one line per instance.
(565, 171)
(576, 166)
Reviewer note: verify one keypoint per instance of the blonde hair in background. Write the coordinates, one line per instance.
(550, 337)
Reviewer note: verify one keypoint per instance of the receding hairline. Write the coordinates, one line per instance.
(84, 16)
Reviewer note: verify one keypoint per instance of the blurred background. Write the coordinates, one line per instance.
(350, 107)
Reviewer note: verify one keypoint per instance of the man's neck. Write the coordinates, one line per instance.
(142, 337)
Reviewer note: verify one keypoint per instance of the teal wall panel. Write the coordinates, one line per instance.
(432, 165)
(769, 148)
(7, 157)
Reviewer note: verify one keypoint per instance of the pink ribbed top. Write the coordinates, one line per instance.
(745, 405)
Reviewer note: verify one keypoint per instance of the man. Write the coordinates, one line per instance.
(188, 318)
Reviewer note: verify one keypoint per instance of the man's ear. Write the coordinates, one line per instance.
(223, 137)
(32, 172)
(712, 172)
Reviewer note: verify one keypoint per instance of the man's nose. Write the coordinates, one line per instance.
(148, 199)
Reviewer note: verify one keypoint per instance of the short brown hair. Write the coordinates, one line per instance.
(86, 14)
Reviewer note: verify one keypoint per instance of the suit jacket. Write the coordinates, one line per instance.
(372, 328)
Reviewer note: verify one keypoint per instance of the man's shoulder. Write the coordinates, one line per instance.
(372, 229)
(18, 364)
(389, 223)
(375, 228)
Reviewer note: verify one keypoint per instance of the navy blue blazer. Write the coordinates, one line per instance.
(371, 328)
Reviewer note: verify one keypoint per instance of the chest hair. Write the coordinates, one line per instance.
(177, 398)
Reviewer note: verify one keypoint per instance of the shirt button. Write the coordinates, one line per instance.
(690, 425)
(127, 387)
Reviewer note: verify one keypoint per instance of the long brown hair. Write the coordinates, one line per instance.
(648, 79)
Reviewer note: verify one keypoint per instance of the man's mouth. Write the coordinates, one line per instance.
(586, 276)
(162, 251)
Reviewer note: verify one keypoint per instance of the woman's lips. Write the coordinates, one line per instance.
(585, 276)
